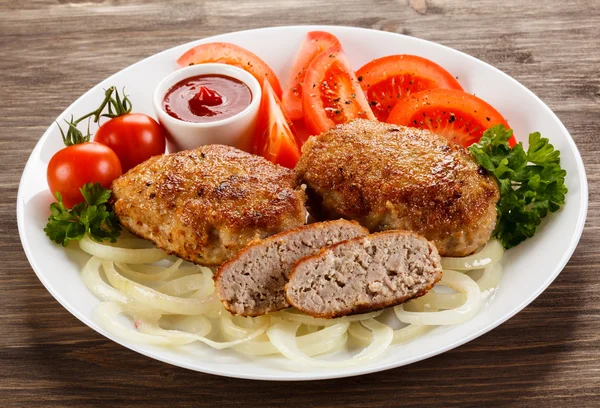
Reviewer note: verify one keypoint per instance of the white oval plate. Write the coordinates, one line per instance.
(529, 268)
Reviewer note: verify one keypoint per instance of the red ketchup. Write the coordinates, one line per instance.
(207, 98)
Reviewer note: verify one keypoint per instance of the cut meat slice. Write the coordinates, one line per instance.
(252, 282)
(364, 274)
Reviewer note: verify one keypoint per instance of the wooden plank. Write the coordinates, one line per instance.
(53, 51)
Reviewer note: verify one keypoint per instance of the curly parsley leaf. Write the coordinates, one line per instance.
(531, 182)
(95, 194)
(93, 216)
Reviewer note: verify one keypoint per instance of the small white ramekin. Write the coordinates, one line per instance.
(237, 130)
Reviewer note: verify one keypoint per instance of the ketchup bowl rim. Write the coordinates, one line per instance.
(181, 74)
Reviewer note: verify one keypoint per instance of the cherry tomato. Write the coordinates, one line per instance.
(314, 43)
(72, 167)
(387, 80)
(134, 137)
(231, 54)
(274, 138)
(331, 94)
(456, 115)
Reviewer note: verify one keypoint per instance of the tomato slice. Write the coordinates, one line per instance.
(231, 54)
(331, 94)
(387, 80)
(456, 115)
(274, 139)
(314, 43)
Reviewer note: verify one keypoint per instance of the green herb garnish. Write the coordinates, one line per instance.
(531, 183)
(93, 217)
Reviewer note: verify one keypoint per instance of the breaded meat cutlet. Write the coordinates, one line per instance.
(204, 205)
(390, 177)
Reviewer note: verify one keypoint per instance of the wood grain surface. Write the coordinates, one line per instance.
(52, 51)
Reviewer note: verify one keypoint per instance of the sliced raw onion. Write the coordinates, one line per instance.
(490, 254)
(283, 337)
(234, 331)
(183, 285)
(490, 279)
(144, 275)
(219, 345)
(260, 346)
(459, 282)
(364, 336)
(409, 332)
(425, 303)
(103, 291)
(314, 321)
(108, 317)
(116, 254)
(432, 302)
(328, 340)
(177, 336)
(155, 299)
(150, 333)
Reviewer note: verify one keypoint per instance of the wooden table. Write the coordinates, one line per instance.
(53, 51)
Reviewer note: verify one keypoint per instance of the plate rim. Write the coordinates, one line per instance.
(322, 375)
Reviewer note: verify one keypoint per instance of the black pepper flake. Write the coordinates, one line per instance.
(373, 103)
(190, 64)
(152, 195)
(360, 78)
(336, 99)
(415, 121)
(203, 155)
(488, 119)
(452, 118)
(348, 102)
(148, 183)
(337, 111)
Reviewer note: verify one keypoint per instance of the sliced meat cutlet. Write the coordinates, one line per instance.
(252, 282)
(364, 274)
(206, 204)
(393, 177)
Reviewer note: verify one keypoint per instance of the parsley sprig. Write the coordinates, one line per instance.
(94, 217)
(531, 182)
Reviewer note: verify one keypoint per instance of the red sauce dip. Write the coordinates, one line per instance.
(207, 98)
